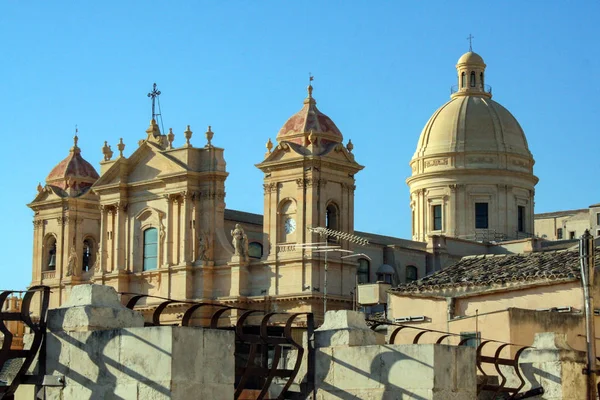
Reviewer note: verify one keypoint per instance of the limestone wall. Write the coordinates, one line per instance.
(142, 363)
(103, 351)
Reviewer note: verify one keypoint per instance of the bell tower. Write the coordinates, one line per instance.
(308, 182)
(66, 226)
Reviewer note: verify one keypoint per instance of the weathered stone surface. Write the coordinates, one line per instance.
(92, 307)
(96, 295)
(552, 364)
(396, 372)
(344, 328)
(161, 362)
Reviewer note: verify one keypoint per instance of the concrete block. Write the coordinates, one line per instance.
(188, 355)
(96, 295)
(92, 307)
(146, 353)
(344, 328)
(552, 364)
(418, 359)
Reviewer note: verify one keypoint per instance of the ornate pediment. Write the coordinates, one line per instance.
(147, 163)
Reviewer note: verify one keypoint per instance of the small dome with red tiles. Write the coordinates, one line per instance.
(73, 172)
(309, 119)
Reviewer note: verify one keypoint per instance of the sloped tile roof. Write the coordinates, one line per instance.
(483, 271)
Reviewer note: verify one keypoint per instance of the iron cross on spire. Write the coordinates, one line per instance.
(154, 94)
(470, 39)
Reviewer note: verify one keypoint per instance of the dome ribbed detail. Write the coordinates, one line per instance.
(472, 124)
(309, 119)
(73, 172)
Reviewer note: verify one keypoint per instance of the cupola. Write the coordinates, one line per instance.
(471, 76)
(309, 121)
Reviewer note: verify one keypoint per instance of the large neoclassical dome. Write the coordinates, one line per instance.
(472, 161)
(472, 124)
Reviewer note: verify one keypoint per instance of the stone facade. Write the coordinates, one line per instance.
(568, 224)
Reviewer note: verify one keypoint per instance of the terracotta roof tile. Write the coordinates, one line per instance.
(485, 270)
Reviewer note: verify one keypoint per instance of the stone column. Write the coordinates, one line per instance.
(119, 236)
(167, 242)
(102, 239)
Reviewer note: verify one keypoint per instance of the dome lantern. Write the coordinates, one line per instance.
(471, 77)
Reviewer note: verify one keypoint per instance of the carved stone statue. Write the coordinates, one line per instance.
(72, 263)
(97, 262)
(203, 247)
(240, 242)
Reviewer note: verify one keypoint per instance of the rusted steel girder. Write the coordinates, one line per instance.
(37, 328)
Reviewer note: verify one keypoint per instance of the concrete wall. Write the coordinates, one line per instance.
(142, 363)
(396, 372)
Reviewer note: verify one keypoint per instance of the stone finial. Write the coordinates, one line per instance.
(121, 147)
(107, 151)
(170, 138)
(188, 135)
(40, 188)
(209, 136)
(75, 149)
(350, 146)
(269, 146)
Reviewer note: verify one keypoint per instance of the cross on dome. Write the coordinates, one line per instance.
(470, 39)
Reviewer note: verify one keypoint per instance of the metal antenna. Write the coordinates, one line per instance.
(470, 39)
(325, 233)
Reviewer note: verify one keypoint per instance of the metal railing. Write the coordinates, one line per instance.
(18, 361)
(457, 88)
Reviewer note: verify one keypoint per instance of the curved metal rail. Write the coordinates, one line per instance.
(37, 328)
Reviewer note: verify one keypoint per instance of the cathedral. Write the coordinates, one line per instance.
(155, 222)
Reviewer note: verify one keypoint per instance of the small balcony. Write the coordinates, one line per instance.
(48, 275)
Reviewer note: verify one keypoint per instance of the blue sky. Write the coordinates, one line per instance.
(381, 69)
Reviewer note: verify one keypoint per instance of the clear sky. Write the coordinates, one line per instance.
(381, 69)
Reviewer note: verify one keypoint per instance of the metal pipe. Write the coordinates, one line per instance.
(586, 258)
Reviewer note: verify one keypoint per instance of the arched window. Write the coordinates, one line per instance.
(481, 80)
(49, 260)
(362, 272)
(412, 273)
(472, 80)
(255, 250)
(88, 253)
(386, 273)
(331, 217)
(287, 221)
(462, 79)
(150, 249)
